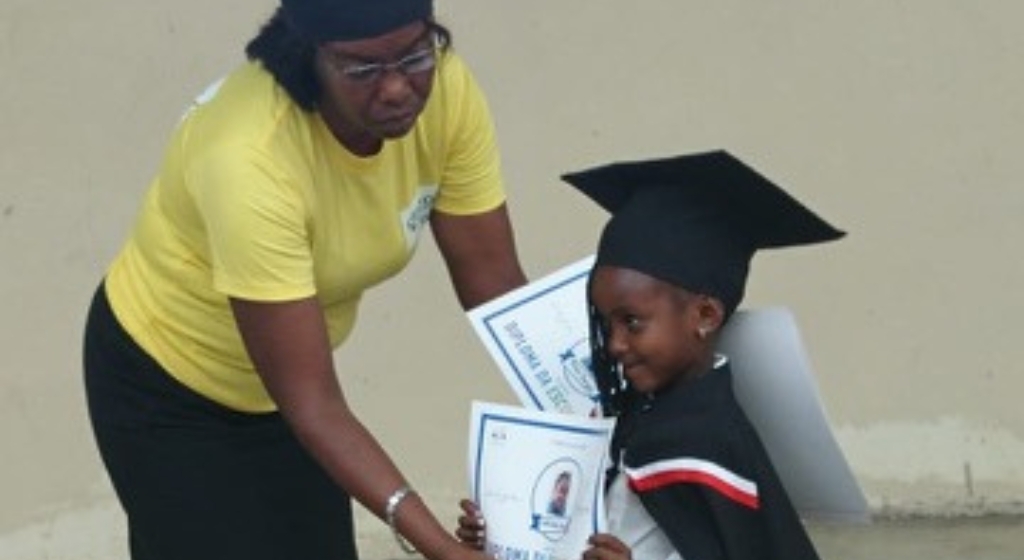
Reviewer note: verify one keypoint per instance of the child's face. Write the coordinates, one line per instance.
(652, 327)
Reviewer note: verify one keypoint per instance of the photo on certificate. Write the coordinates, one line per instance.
(538, 478)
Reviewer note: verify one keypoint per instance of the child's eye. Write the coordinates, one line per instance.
(633, 324)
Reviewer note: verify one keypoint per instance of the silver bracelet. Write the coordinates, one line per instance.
(390, 511)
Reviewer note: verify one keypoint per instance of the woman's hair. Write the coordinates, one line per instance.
(290, 57)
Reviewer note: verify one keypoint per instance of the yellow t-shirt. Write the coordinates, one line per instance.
(256, 199)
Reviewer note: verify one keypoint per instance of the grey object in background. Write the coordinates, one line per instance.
(775, 385)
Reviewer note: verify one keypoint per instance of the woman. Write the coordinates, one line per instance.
(289, 188)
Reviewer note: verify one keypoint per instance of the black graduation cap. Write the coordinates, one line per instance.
(695, 220)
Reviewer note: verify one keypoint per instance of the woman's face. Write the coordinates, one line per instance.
(651, 327)
(374, 89)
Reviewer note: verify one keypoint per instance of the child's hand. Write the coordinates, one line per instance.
(606, 547)
(472, 530)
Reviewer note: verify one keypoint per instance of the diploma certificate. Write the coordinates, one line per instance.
(538, 336)
(538, 478)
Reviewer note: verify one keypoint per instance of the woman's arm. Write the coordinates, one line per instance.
(480, 253)
(289, 346)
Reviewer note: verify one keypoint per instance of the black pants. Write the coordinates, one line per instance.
(197, 480)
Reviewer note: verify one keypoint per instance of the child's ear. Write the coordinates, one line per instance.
(711, 314)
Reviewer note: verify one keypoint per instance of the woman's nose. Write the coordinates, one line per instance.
(394, 87)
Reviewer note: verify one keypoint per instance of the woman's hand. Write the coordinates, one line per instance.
(472, 530)
(606, 547)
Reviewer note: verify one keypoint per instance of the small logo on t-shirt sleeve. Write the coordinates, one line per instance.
(207, 94)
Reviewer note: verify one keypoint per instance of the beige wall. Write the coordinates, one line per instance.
(900, 121)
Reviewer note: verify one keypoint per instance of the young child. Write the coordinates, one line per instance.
(690, 477)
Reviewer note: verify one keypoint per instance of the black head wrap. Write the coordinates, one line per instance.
(350, 20)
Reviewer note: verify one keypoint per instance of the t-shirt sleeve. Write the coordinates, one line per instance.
(471, 180)
(256, 226)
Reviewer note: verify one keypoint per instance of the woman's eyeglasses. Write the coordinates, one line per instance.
(371, 72)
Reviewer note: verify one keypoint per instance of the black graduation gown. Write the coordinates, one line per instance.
(701, 471)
